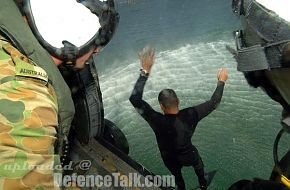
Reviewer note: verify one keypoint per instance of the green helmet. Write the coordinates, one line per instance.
(68, 29)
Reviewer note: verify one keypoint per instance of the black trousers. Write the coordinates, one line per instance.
(175, 164)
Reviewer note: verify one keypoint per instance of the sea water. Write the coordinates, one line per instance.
(190, 39)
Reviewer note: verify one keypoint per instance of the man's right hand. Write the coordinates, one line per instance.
(146, 57)
(222, 75)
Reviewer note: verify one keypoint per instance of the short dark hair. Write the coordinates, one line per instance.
(168, 98)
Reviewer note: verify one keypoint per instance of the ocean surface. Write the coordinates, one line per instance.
(190, 38)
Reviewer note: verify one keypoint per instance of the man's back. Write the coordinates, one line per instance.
(174, 131)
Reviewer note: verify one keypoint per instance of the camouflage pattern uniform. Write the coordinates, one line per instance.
(28, 123)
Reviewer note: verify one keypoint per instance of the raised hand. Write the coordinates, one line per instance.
(146, 57)
(222, 75)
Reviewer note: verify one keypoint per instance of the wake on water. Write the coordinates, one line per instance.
(232, 139)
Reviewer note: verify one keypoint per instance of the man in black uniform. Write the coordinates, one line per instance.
(175, 127)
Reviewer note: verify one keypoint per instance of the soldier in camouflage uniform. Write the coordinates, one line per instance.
(28, 122)
(35, 106)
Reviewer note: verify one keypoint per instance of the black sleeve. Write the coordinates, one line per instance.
(143, 108)
(206, 108)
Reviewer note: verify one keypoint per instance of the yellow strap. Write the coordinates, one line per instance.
(285, 181)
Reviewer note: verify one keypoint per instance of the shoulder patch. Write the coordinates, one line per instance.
(24, 69)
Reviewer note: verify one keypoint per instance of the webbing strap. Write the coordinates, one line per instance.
(258, 57)
(69, 52)
(273, 31)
